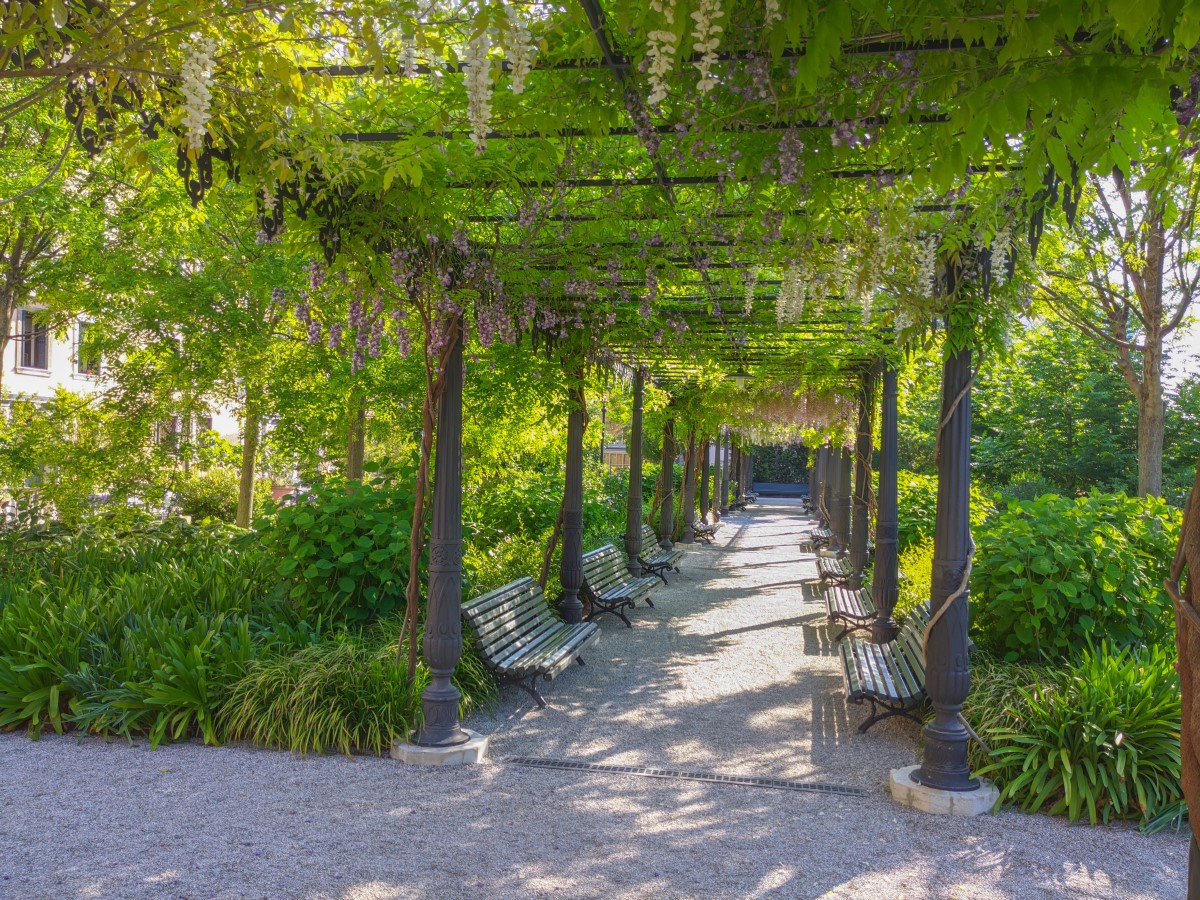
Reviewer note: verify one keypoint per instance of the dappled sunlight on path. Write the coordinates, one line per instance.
(733, 672)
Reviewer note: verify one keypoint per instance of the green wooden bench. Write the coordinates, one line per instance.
(853, 609)
(891, 676)
(521, 640)
(656, 559)
(704, 531)
(609, 588)
(819, 536)
(834, 570)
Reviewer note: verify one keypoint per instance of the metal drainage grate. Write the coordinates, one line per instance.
(783, 784)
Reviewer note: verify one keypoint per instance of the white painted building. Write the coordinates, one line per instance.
(39, 362)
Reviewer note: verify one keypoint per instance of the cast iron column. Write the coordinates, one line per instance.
(885, 586)
(723, 478)
(862, 482)
(842, 498)
(705, 474)
(633, 504)
(570, 570)
(689, 492)
(828, 476)
(443, 624)
(811, 460)
(947, 676)
(750, 471)
(666, 520)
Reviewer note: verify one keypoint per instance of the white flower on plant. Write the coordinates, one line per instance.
(1002, 249)
(706, 38)
(771, 13)
(478, 70)
(928, 261)
(519, 48)
(751, 284)
(408, 60)
(660, 51)
(196, 77)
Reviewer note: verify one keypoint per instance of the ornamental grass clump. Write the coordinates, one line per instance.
(1100, 737)
(346, 695)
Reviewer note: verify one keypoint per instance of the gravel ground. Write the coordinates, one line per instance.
(732, 673)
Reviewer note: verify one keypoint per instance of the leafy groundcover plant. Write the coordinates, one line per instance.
(176, 631)
(1099, 737)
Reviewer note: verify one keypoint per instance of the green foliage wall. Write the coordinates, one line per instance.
(787, 464)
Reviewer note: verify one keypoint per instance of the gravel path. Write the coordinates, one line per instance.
(732, 673)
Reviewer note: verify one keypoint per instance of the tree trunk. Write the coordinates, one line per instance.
(1151, 419)
(250, 429)
(357, 437)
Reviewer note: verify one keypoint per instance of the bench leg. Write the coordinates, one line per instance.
(878, 714)
(579, 659)
(531, 690)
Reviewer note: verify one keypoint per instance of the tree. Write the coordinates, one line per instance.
(1127, 275)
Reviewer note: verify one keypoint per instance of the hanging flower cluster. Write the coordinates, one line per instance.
(750, 284)
(928, 262)
(706, 38)
(660, 58)
(772, 15)
(789, 305)
(408, 60)
(479, 89)
(196, 76)
(1002, 247)
(519, 48)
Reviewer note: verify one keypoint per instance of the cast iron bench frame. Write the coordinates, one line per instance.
(521, 640)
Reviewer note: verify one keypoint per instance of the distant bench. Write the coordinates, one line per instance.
(521, 640)
(656, 559)
(609, 588)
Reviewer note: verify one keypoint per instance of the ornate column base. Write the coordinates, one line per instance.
(884, 630)
(471, 750)
(945, 767)
(909, 792)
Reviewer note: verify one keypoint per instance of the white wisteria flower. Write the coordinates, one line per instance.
(929, 249)
(519, 48)
(478, 70)
(772, 15)
(660, 51)
(196, 76)
(706, 38)
(409, 61)
(751, 284)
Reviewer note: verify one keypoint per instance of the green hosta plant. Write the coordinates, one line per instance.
(1051, 573)
(1101, 739)
(343, 548)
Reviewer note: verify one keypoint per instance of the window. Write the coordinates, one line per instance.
(33, 348)
(87, 358)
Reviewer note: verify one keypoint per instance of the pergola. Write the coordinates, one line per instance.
(674, 187)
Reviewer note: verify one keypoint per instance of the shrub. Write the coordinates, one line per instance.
(1101, 737)
(916, 570)
(1027, 486)
(213, 494)
(343, 548)
(917, 507)
(1052, 572)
